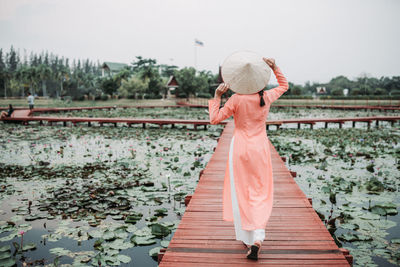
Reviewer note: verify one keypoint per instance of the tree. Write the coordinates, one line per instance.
(190, 83)
(131, 87)
(61, 77)
(168, 70)
(143, 64)
(294, 89)
(4, 74)
(380, 91)
(12, 60)
(109, 85)
(45, 73)
(355, 92)
(337, 92)
(32, 75)
(122, 75)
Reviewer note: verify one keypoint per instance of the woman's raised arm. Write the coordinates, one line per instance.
(275, 93)
(216, 114)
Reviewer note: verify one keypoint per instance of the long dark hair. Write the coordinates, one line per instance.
(262, 102)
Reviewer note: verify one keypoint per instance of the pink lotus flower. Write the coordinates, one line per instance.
(21, 232)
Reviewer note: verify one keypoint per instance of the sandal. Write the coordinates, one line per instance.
(254, 251)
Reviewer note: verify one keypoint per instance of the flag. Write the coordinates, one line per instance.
(198, 42)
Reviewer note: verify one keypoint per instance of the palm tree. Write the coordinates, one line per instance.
(20, 76)
(32, 75)
(61, 76)
(122, 75)
(45, 73)
(7, 76)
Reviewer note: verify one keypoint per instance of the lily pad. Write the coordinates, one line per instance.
(133, 217)
(154, 251)
(9, 262)
(59, 251)
(124, 258)
(164, 243)
(395, 241)
(160, 230)
(29, 246)
(5, 255)
(5, 248)
(143, 240)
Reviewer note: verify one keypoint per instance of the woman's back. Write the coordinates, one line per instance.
(249, 116)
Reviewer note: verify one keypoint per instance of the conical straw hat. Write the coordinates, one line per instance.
(245, 72)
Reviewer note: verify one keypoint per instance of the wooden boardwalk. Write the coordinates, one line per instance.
(340, 121)
(184, 104)
(341, 107)
(25, 116)
(68, 109)
(295, 235)
(327, 106)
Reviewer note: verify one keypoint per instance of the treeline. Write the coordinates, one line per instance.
(46, 74)
(362, 87)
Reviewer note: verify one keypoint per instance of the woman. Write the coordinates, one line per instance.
(248, 183)
(5, 114)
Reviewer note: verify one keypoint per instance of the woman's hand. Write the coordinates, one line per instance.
(270, 62)
(222, 88)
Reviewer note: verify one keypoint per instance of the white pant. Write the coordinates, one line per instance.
(246, 236)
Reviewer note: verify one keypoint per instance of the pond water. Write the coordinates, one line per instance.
(352, 175)
(115, 195)
(87, 195)
(202, 113)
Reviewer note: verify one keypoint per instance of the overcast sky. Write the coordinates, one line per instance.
(310, 40)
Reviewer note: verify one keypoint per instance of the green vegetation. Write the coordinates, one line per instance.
(50, 75)
(87, 195)
(352, 177)
(115, 195)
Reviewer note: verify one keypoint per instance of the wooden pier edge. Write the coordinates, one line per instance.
(295, 235)
(25, 116)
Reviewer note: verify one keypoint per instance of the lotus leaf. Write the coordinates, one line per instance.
(29, 246)
(5, 248)
(395, 240)
(164, 243)
(59, 251)
(161, 212)
(5, 255)
(160, 230)
(143, 240)
(133, 217)
(108, 235)
(8, 262)
(124, 258)
(154, 251)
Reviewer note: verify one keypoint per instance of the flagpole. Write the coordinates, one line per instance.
(195, 56)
